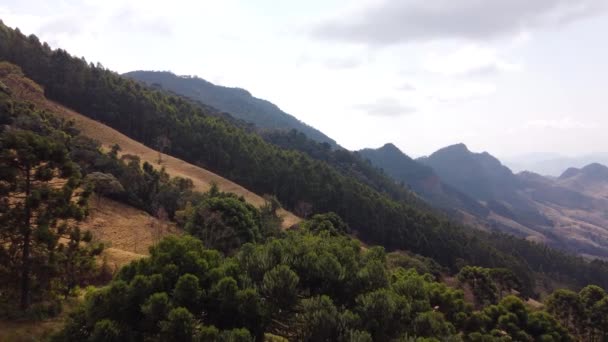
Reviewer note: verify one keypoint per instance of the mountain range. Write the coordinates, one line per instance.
(567, 212)
(237, 227)
(552, 164)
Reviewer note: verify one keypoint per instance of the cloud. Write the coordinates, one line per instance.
(386, 107)
(69, 25)
(342, 63)
(333, 62)
(560, 124)
(469, 60)
(131, 19)
(400, 21)
(406, 87)
(462, 91)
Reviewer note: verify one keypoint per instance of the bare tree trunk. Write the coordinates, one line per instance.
(25, 257)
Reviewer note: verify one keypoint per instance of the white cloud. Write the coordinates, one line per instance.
(399, 21)
(388, 107)
(407, 87)
(462, 91)
(333, 62)
(564, 123)
(469, 60)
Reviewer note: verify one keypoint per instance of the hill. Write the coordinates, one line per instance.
(301, 183)
(567, 213)
(550, 164)
(201, 178)
(478, 175)
(233, 278)
(236, 101)
(397, 164)
(423, 180)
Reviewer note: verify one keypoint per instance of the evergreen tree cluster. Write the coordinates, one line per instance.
(43, 253)
(307, 285)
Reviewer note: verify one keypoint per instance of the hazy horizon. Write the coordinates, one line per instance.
(511, 78)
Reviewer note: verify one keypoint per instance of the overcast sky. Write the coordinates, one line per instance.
(509, 77)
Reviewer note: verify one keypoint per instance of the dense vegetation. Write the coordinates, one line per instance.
(238, 102)
(584, 313)
(237, 277)
(43, 253)
(346, 162)
(299, 182)
(304, 286)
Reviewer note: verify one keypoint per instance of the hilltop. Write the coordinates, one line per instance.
(236, 101)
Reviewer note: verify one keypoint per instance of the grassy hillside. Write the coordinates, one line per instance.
(202, 179)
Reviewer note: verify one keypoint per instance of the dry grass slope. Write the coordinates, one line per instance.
(202, 179)
(127, 232)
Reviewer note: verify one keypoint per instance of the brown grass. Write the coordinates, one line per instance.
(127, 232)
(201, 178)
(29, 331)
(36, 330)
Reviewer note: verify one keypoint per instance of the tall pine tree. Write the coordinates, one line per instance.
(39, 208)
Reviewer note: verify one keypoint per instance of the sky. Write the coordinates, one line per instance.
(511, 77)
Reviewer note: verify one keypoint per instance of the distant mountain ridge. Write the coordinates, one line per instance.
(479, 175)
(551, 164)
(396, 163)
(236, 101)
(420, 178)
(595, 171)
(568, 212)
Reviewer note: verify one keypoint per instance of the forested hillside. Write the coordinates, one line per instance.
(346, 162)
(305, 185)
(238, 102)
(310, 284)
(235, 275)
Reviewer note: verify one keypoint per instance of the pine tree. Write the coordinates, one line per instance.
(38, 207)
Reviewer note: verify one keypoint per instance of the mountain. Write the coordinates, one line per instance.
(591, 173)
(229, 278)
(236, 101)
(568, 212)
(421, 179)
(591, 180)
(397, 164)
(552, 164)
(478, 175)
